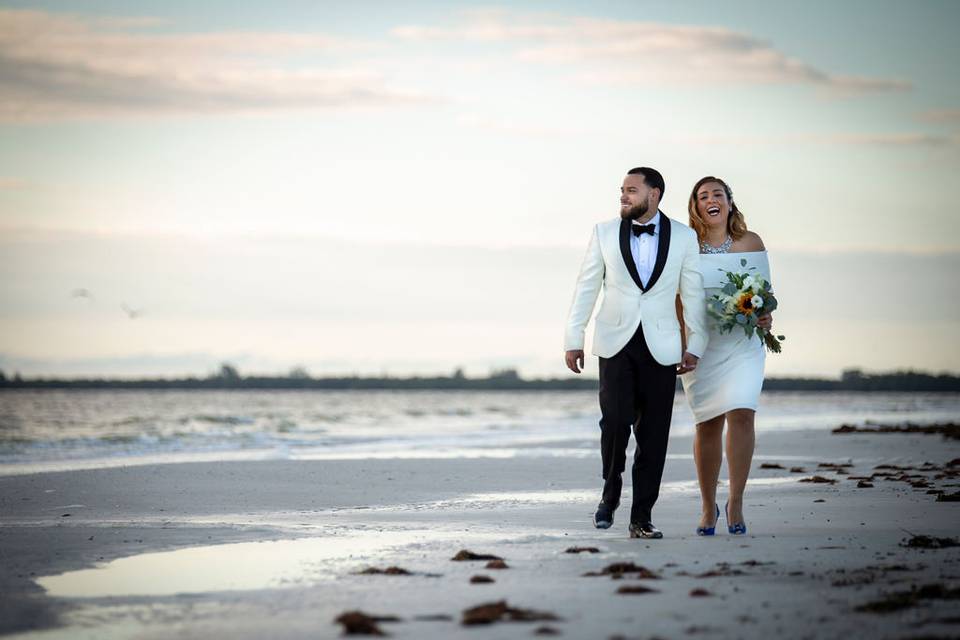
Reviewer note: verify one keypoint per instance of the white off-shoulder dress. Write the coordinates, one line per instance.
(729, 374)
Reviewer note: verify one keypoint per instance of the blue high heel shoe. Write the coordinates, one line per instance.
(709, 531)
(736, 528)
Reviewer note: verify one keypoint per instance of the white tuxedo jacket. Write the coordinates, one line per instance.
(628, 302)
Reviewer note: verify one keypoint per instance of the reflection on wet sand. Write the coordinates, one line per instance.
(241, 566)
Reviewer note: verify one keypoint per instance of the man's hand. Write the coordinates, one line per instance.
(574, 360)
(765, 321)
(687, 363)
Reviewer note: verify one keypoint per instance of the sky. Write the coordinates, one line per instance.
(409, 187)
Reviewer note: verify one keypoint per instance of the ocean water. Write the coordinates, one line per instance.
(59, 430)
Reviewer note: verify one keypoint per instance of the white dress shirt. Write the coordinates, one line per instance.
(644, 249)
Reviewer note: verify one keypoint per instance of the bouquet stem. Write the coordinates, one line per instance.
(771, 341)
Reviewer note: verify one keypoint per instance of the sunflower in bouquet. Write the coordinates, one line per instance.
(739, 304)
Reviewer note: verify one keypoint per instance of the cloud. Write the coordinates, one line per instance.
(889, 140)
(940, 116)
(58, 66)
(513, 127)
(9, 184)
(634, 52)
(855, 139)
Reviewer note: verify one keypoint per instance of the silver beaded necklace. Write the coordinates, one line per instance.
(723, 248)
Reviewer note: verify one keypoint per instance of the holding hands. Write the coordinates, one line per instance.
(687, 363)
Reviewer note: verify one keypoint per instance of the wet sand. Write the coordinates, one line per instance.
(276, 548)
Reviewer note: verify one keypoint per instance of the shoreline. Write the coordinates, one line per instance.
(526, 510)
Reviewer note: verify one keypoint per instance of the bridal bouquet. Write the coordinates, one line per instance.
(740, 302)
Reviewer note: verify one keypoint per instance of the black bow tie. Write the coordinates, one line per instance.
(640, 229)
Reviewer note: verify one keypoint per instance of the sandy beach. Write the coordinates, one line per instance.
(274, 548)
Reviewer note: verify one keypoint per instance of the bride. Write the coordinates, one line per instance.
(725, 386)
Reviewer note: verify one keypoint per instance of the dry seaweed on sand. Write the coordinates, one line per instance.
(464, 555)
(905, 599)
(497, 611)
(834, 465)
(819, 480)
(619, 569)
(362, 624)
(635, 589)
(389, 571)
(480, 579)
(700, 592)
(868, 574)
(929, 542)
(394, 571)
(723, 570)
(771, 465)
(949, 430)
(497, 564)
(582, 550)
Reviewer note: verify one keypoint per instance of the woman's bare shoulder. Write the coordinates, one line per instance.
(751, 242)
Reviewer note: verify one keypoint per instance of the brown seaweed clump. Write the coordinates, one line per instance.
(907, 599)
(635, 589)
(464, 556)
(948, 430)
(929, 542)
(358, 623)
(619, 569)
(389, 571)
(492, 612)
(723, 570)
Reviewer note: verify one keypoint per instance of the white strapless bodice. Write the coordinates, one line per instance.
(729, 374)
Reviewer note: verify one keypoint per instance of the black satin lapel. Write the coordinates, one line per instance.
(625, 232)
(663, 246)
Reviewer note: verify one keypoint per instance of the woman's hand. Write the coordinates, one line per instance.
(765, 321)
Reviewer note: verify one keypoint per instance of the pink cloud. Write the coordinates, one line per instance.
(633, 52)
(64, 66)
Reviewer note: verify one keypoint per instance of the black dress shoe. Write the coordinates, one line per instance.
(603, 518)
(644, 530)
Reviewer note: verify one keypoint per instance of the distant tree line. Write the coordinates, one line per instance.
(228, 377)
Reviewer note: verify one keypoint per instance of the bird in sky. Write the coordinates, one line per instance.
(83, 293)
(133, 314)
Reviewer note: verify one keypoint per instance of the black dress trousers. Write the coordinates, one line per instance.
(636, 392)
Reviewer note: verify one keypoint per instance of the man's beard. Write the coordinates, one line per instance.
(635, 212)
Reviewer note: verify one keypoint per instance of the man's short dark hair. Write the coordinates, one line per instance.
(651, 177)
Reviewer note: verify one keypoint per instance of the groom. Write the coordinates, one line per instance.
(641, 261)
